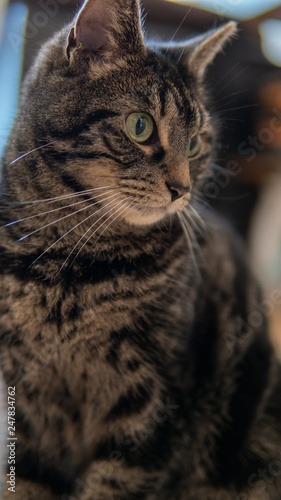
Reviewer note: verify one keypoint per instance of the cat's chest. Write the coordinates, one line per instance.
(104, 318)
(101, 374)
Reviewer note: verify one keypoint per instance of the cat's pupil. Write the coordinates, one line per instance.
(140, 126)
(193, 143)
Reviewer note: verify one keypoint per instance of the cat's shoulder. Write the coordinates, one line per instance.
(223, 248)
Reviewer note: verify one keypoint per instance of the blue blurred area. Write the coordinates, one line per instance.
(11, 56)
(236, 9)
(270, 31)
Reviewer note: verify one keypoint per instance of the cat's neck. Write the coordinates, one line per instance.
(42, 247)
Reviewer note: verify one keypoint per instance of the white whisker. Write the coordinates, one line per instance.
(230, 95)
(72, 229)
(127, 207)
(196, 219)
(184, 225)
(179, 26)
(64, 217)
(57, 209)
(91, 235)
(61, 197)
(180, 56)
(225, 75)
(189, 222)
(192, 222)
(236, 108)
(32, 151)
(229, 81)
(86, 232)
(201, 201)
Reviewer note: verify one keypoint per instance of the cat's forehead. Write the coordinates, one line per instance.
(154, 85)
(168, 98)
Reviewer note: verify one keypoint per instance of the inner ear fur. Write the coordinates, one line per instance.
(106, 30)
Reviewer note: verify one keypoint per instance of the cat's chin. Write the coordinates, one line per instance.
(147, 216)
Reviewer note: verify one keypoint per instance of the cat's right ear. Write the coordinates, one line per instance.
(105, 31)
(198, 52)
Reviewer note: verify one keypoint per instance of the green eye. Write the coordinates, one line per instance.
(140, 126)
(194, 146)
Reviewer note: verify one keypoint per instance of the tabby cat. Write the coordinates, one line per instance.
(124, 317)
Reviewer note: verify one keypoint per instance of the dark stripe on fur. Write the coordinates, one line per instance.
(31, 467)
(151, 444)
(133, 402)
(84, 269)
(162, 97)
(53, 156)
(91, 119)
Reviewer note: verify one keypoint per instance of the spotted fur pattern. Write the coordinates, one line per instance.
(124, 316)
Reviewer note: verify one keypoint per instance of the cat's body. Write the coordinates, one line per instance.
(137, 375)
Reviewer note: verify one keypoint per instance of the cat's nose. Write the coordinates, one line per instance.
(177, 190)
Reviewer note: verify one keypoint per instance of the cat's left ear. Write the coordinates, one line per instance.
(200, 51)
(106, 30)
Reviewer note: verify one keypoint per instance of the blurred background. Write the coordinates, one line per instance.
(245, 83)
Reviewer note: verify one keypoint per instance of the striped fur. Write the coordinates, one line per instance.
(122, 313)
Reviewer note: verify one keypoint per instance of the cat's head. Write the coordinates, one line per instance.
(120, 114)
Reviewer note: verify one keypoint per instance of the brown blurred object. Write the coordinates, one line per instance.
(268, 124)
(269, 132)
(256, 172)
(269, 94)
(261, 150)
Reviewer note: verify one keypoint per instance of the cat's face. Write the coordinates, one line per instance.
(121, 116)
(147, 137)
